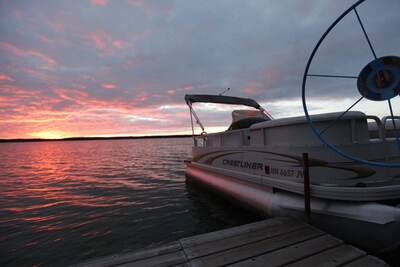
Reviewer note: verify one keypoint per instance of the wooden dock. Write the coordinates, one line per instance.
(271, 242)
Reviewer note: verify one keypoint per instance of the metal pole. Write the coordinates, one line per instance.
(307, 210)
(191, 121)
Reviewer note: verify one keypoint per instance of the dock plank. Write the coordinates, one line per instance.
(333, 257)
(257, 248)
(221, 234)
(367, 261)
(133, 256)
(242, 239)
(165, 260)
(292, 253)
(272, 242)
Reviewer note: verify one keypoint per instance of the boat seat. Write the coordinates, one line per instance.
(245, 123)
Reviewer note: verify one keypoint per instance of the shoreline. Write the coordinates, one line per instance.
(20, 140)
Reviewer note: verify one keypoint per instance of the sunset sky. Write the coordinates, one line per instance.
(122, 67)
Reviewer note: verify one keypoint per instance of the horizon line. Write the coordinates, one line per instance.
(92, 138)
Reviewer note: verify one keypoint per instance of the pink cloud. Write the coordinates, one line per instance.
(71, 94)
(186, 88)
(278, 72)
(118, 44)
(52, 40)
(142, 96)
(109, 86)
(129, 64)
(99, 2)
(78, 120)
(140, 60)
(30, 52)
(252, 90)
(62, 21)
(105, 42)
(99, 40)
(5, 77)
(152, 9)
(140, 35)
(272, 75)
(79, 86)
(18, 14)
(180, 88)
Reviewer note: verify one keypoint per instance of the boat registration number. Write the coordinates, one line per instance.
(284, 172)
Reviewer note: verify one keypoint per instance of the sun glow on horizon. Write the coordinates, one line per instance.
(49, 134)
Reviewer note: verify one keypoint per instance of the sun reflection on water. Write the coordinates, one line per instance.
(60, 196)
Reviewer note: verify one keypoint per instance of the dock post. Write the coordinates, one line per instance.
(307, 210)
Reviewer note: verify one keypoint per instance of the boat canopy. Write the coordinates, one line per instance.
(221, 99)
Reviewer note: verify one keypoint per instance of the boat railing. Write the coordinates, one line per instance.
(390, 126)
(383, 129)
(377, 130)
(200, 140)
(297, 132)
(234, 138)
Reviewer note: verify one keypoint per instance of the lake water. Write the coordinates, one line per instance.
(64, 202)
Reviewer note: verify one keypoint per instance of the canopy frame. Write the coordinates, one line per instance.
(220, 99)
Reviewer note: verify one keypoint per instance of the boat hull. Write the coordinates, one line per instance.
(378, 225)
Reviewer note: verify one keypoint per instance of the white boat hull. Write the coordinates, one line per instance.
(378, 225)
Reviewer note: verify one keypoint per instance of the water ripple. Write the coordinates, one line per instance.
(63, 202)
